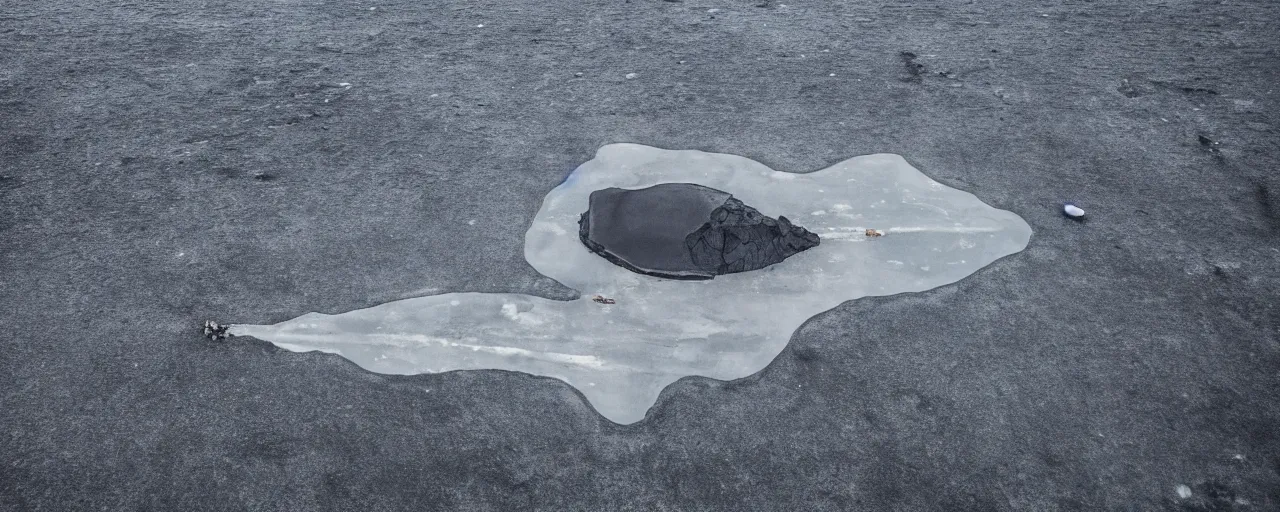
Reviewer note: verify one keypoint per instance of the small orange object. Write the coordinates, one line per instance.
(872, 232)
(601, 299)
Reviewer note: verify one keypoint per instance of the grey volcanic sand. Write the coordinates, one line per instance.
(621, 356)
(1101, 368)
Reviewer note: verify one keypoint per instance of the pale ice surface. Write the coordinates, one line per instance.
(621, 356)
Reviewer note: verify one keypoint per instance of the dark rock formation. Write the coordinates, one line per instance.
(686, 231)
(738, 238)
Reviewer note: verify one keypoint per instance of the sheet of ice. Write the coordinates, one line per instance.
(621, 356)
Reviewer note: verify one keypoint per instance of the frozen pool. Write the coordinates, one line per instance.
(620, 356)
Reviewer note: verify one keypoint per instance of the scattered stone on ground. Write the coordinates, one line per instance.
(214, 331)
(1210, 144)
(915, 70)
